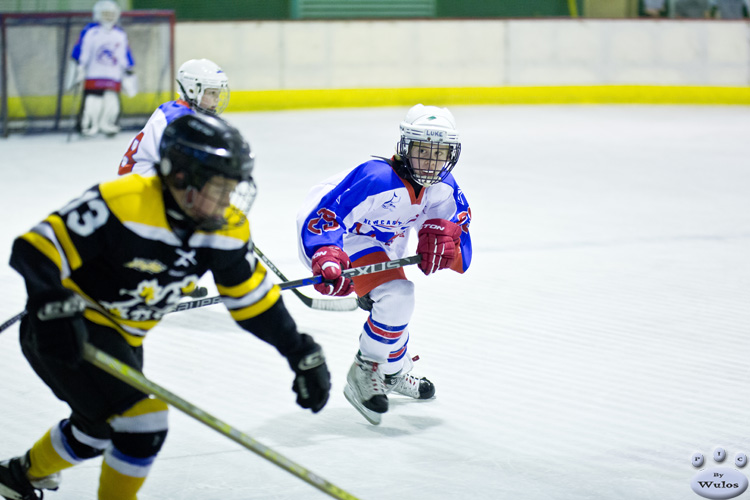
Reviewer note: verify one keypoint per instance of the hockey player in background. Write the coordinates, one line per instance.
(102, 60)
(203, 87)
(106, 267)
(365, 215)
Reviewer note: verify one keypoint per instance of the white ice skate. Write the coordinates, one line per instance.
(365, 389)
(408, 385)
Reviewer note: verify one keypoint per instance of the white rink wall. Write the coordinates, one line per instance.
(288, 55)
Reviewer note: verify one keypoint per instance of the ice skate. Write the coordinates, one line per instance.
(409, 385)
(406, 384)
(15, 485)
(365, 389)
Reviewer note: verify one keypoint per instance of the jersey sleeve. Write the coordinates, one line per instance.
(76, 52)
(129, 61)
(332, 202)
(53, 249)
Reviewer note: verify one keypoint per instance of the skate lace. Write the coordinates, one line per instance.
(406, 384)
(372, 383)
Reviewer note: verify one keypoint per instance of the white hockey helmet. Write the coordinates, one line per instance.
(106, 13)
(204, 85)
(429, 145)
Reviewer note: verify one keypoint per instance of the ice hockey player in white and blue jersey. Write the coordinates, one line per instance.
(203, 86)
(364, 216)
(102, 60)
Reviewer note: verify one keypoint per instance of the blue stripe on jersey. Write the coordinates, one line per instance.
(174, 109)
(366, 251)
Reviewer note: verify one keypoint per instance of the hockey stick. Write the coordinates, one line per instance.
(12, 320)
(313, 280)
(136, 379)
(75, 110)
(287, 285)
(349, 304)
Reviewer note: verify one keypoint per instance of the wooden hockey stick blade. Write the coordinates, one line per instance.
(343, 304)
(136, 379)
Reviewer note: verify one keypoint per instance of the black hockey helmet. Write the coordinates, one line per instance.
(197, 147)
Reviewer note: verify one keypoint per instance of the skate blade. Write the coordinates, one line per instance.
(371, 416)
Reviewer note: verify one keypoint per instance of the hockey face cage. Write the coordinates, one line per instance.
(208, 95)
(430, 156)
(107, 13)
(191, 167)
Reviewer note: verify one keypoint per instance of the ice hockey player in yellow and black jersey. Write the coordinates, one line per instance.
(106, 267)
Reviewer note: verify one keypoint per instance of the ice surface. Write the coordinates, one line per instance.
(600, 337)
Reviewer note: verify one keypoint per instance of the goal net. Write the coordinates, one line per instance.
(34, 52)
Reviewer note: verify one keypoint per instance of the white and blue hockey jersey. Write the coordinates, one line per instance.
(143, 151)
(104, 55)
(371, 209)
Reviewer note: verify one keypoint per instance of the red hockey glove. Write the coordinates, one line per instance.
(328, 262)
(438, 239)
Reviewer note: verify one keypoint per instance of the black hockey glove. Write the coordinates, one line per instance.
(312, 382)
(58, 329)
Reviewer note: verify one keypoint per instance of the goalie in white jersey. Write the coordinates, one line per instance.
(102, 60)
(203, 86)
(364, 216)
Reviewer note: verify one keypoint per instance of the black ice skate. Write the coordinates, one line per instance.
(14, 485)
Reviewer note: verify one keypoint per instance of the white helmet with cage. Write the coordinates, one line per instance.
(204, 85)
(429, 145)
(106, 13)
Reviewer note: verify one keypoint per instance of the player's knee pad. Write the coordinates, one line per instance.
(140, 431)
(76, 441)
(393, 302)
(63, 446)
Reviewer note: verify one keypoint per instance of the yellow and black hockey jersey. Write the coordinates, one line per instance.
(115, 247)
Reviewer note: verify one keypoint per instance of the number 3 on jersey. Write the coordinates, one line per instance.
(126, 165)
(328, 219)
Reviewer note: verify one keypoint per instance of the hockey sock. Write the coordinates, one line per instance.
(114, 485)
(44, 458)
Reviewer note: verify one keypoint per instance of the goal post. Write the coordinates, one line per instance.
(34, 52)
